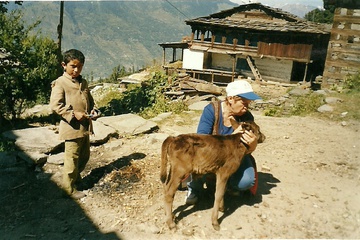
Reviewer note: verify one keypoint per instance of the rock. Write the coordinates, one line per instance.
(102, 133)
(40, 139)
(265, 168)
(325, 108)
(96, 88)
(188, 232)
(332, 100)
(165, 115)
(129, 124)
(198, 105)
(57, 159)
(299, 91)
(161, 116)
(321, 92)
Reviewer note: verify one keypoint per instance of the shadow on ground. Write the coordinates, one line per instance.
(34, 207)
(206, 201)
(96, 174)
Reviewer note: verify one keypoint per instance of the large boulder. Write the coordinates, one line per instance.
(39, 139)
(102, 133)
(129, 124)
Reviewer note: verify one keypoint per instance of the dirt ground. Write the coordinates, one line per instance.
(309, 175)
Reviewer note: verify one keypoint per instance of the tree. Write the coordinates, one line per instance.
(332, 4)
(28, 80)
(320, 16)
(118, 71)
(3, 9)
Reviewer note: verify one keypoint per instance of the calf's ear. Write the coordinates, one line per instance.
(234, 124)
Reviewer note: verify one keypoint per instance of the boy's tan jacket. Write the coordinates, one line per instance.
(68, 95)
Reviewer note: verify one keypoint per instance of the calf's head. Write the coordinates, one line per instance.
(249, 126)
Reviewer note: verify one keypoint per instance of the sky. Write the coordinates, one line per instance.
(272, 3)
(279, 3)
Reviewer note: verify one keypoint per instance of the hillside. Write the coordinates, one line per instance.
(118, 32)
(127, 33)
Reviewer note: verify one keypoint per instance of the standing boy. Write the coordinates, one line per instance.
(71, 99)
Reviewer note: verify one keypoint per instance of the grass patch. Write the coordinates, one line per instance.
(347, 109)
(306, 105)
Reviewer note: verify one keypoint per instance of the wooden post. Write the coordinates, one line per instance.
(212, 40)
(164, 56)
(235, 42)
(233, 67)
(59, 31)
(174, 54)
(306, 68)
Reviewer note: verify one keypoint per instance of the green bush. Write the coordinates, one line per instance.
(352, 82)
(163, 104)
(273, 112)
(308, 104)
(146, 99)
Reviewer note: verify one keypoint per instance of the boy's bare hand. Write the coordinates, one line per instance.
(94, 114)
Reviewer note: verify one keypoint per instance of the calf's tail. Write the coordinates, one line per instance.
(164, 159)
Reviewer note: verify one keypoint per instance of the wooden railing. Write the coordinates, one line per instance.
(225, 48)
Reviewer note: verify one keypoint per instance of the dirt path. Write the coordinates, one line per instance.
(309, 175)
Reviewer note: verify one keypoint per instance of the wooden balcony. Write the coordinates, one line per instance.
(224, 48)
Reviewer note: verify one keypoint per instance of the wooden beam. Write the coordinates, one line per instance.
(164, 56)
(306, 68)
(233, 67)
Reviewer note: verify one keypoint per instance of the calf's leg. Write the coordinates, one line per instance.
(219, 200)
(169, 193)
(170, 189)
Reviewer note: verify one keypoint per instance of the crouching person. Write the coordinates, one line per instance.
(215, 119)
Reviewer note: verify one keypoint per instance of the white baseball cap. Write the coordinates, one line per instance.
(242, 89)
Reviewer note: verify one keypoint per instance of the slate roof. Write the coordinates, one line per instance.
(280, 20)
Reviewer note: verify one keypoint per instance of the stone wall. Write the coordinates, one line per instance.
(343, 56)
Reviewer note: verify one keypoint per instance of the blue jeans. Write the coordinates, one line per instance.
(243, 179)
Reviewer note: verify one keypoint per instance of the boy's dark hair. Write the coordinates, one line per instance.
(73, 54)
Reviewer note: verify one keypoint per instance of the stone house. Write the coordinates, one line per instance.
(343, 54)
(252, 40)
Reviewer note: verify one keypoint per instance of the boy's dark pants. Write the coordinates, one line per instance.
(77, 154)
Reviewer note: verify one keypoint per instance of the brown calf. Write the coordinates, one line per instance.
(199, 153)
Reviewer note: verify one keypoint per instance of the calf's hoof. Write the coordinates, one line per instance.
(171, 224)
(216, 226)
